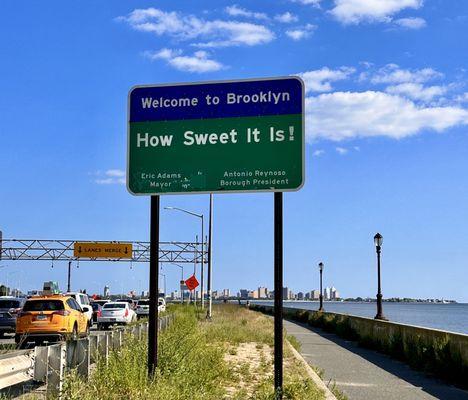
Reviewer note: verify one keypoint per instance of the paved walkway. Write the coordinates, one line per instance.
(363, 374)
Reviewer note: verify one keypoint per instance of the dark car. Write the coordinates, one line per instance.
(97, 307)
(9, 308)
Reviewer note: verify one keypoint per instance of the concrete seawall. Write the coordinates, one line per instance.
(442, 353)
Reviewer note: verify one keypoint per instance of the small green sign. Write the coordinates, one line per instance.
(236, 136)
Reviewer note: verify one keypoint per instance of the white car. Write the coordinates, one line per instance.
(161, 304)
(142, 307)
(83, 300)
(115, 312)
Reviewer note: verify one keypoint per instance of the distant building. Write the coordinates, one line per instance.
(327, 293)
(285, 293)
(262, 292)
(226, 293)
(300, 296)
(307, 296)
(315, 294)
(106, 291)
(244, 294)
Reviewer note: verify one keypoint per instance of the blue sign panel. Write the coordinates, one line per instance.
(216, 100)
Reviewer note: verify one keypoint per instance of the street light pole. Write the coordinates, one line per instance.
(378, 240)
(202, 247)
(321, 289)
(182, 291)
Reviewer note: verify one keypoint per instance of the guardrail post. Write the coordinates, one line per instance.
(103, 346)
(93, 347)
(83, 357)
(117, 339)
(56, 367)
(70, 353)
(40, 363)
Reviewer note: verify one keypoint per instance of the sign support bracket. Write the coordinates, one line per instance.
(153, 286)
(278, 287)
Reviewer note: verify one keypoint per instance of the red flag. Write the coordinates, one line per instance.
(191, 283)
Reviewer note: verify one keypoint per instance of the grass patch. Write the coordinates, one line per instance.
(230, 357)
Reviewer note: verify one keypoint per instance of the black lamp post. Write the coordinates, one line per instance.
(321, 291)
(378, 240)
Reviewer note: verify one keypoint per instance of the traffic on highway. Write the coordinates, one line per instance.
(52, 316)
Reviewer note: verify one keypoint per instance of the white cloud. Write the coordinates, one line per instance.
(214, 33)
(393, 74)
(236, 11)
(318, 153)
(356, 11)
(110, 177)
(117, 173)
(346, 115)
(341, 150)
(411, 23)
(320, 80)
(462, 98)
(198, 62)
(301, 32)
(308, 2)
(286, 17)
(417, 91)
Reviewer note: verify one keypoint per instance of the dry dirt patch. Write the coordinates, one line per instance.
(251, 363)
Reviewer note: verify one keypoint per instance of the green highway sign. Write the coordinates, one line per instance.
(214, 137)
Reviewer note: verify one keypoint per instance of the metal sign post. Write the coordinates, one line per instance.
(153, 287)
(278, 287)
(210, 257)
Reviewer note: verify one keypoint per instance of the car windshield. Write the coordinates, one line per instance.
(9, 304)
(114, 305)
(143, 302)
(43, 305)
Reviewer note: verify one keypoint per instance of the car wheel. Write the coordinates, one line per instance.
(2, 335)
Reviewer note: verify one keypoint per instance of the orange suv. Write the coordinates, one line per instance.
(50, 319)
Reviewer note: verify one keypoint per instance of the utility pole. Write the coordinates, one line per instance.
(69, 277)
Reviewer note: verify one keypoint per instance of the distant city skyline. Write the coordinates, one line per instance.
(386, 143)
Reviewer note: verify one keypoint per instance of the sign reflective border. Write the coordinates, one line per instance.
(215, 137)
(102, 250)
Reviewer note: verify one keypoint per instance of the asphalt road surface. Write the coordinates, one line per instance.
(364, 374)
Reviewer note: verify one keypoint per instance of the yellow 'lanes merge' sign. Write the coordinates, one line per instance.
(102, 250)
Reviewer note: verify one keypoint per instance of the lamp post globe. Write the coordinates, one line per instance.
(321, 287)
(378, 240)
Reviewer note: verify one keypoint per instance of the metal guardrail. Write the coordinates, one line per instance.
(47, 364)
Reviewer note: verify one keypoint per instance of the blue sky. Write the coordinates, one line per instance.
(387, 144)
